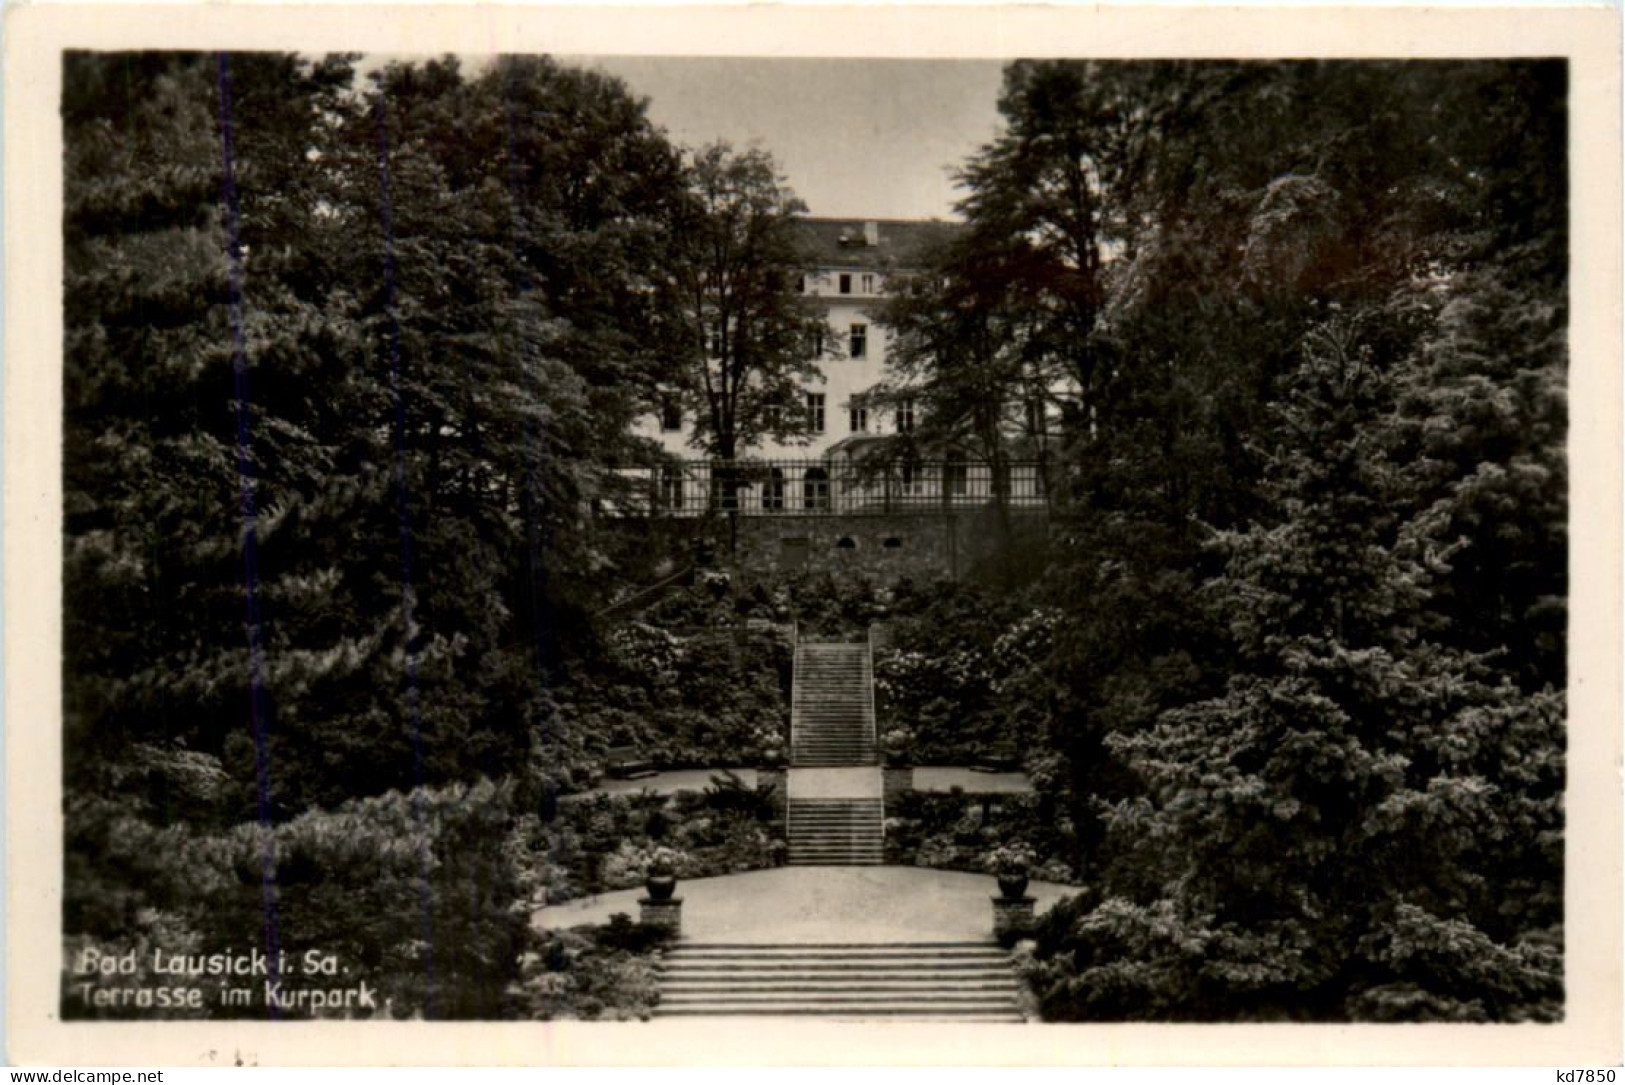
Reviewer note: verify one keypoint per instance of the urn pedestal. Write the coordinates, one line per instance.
(1012, 918)
(666, 913)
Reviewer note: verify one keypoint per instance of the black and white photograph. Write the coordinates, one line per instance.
(678, 541)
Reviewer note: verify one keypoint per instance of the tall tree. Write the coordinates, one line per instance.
(440, 285)
(1318, 420)
(959, 325)
(194, 334)
(1362, 823)
(746, 340)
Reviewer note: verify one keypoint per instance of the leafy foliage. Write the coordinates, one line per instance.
(412, 893)
(593, 973)
(1330, 788)
(744, 339)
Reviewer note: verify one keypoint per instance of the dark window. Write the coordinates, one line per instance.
(858, 419)
(846, 543)
(725, 491)
(815, 411)
(671, 416)
(671, 488)
(893, 543)
(905, 416)
(773, 492)
(818, 342)
(846, 284)
(954, 478)
(714, 341)
(860, 341)
(913, 477)
(815, 488)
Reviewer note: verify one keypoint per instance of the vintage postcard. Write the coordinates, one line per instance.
(812, 535)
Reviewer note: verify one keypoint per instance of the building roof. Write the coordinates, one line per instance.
(874, 243)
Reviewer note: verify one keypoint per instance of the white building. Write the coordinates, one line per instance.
(855, 258)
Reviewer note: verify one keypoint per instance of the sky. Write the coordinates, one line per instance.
(853, 138)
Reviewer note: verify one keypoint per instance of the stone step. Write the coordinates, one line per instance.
(844, 828)
(981, 1001)
(837, 830)
(836, 950)
(976, 968)
(855, 850)
(962, 981)
(839, 818)
(819, 948)
(811, 802)
(792, 1010)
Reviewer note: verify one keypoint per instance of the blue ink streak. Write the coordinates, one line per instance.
(535, 525)
(258, 704)
(387, 213)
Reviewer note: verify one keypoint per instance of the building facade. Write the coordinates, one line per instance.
(855, 259)
(831, 473)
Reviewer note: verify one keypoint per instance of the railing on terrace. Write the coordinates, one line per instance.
(821, 487)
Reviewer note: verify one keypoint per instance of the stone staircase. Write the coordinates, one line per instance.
(835, 832)
(922, 981)
(832, 715)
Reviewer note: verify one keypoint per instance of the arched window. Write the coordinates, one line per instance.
(846, 542)
(892, 543)
(815, 488)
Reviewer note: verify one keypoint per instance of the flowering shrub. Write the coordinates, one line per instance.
(897, 742)
(1024, 645)
(964, 673)
(705, 699)
(629, 864)
(380, 883)
(661, 860)
(609, 842)
(976, 833)
(1010, 860)
(647, 650)
(592, 973)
